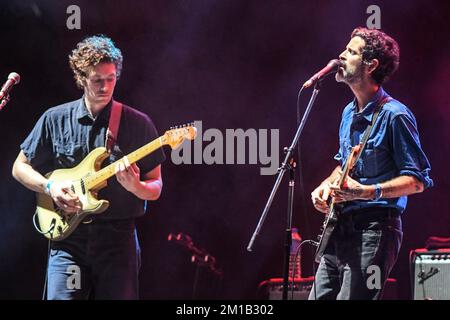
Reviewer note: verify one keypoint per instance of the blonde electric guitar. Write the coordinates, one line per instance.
(88, 178)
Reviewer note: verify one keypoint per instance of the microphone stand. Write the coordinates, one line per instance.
(4, 101)
(288, 235)
(287, 164)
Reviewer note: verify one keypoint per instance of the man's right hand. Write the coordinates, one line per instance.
(62, 195)
(320, 196)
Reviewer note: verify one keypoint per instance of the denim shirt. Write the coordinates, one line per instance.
(65, 134)
(393, 148)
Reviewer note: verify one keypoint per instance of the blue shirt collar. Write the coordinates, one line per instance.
(83, 112)
(369, 109)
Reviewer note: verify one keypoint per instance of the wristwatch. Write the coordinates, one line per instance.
(378, 192)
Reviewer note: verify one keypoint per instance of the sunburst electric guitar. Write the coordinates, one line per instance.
(88, 178)
(331, 217)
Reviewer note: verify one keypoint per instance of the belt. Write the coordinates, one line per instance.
(371, 214)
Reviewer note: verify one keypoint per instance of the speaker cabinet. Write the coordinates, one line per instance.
(430, 274)
(272, 289)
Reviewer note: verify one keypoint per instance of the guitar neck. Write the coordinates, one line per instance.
(344, 175)
(107, 172)
(349, 164)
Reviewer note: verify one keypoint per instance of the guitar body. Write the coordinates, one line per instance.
(328, 227)
(54, 223)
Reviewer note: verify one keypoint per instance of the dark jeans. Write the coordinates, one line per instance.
(360, 255)
(99, 260)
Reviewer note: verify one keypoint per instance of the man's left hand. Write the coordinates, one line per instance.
(128, 175)
(352, 190)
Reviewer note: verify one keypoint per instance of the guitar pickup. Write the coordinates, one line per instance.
(83, 188)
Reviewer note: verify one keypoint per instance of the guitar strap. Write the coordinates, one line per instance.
(370, 126)
(113, 126)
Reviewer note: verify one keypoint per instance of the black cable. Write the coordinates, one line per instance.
(298, 253)
(302, 197)
(412, 281)
(308, 232)
(300, 172)
(314, 279)
(46, 271)
(50, 229)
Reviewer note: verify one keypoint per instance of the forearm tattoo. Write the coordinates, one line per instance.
(401, 186)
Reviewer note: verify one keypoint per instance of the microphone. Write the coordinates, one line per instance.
(333, 64)
(13, 79)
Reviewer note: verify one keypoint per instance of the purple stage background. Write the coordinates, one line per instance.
(231, 64)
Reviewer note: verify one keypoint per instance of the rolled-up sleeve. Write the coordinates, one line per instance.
(408, 155)
(338, 156)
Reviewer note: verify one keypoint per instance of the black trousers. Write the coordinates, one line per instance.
(360, 255)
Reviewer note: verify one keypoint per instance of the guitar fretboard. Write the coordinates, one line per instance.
(107, 172)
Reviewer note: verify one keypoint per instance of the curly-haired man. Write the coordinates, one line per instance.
(100, 259)
(366, 238)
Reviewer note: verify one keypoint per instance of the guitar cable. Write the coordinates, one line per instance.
(298, 253)
(50, 229)
(44, 291)
(314, 280)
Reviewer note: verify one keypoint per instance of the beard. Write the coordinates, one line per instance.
(350, 76)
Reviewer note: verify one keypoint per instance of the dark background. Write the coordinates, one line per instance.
(231, 64)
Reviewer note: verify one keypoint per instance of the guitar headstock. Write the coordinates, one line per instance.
(176, 135)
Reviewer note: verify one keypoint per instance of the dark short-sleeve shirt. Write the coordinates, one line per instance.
(65, 134)
(393, 148)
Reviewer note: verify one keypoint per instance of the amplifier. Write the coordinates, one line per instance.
(430, 274)
(272, 289)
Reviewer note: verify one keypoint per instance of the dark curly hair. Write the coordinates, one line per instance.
(92, 51)
(380, 46)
